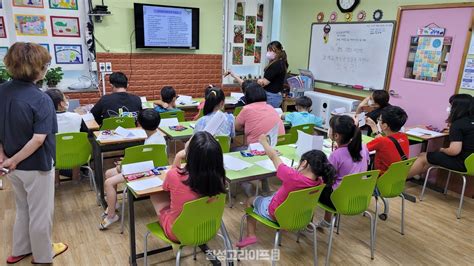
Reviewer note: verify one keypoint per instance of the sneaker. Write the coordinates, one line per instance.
(106, 222)
(323, 224)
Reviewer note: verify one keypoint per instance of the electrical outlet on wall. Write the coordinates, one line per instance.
(108, 67)
(102, 67)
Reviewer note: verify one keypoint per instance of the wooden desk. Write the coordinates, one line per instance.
(423, 139)
(91, 125)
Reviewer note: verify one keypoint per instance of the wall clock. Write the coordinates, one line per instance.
(347, 5)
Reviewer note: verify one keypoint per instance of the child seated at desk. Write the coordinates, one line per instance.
(168, 100)
(350, 157)
(201, 104)
(202, 176)
(461, 138)
(149, 120)
(373, 105)
(302, 115)
(313, 170)
(243, 88)
(214, 103)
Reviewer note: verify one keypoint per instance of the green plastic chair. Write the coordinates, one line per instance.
(224, 141)
(197, 224)
(285, 139)
(469, 163)
(392, 184)
(74, 150)
(173, 114)
(294, 214)
(237, 111)
(142, 153)
(112, 123)
(352, 197)
(306, 128)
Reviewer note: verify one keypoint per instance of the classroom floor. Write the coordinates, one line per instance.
(433, 235)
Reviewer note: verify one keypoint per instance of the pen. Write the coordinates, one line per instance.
(292, 162)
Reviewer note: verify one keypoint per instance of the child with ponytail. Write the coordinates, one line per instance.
(313, 170)
(349, 157)
(213, 105)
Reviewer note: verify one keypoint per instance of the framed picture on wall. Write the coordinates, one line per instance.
(68, 54)
(3, 52)
(45, 45)
(63, 4)
(65, 26)
(28, 3)
(3, 30)
(30, 25)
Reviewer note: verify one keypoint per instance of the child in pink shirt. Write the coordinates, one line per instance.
(313, 170)
(257, 117)
(202, 176)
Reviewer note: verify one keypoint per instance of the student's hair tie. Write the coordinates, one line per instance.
(214, 92)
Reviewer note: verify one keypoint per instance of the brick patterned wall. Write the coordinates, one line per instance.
(188, 73)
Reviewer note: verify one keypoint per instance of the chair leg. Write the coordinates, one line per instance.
(256, 189)
(331, 232)
(194, 253)
(229, 193)
(242, 227)
(426, 181)
(145, 253)
(298, 234)
(178, 257)
(276, 244)
(447, 182)
(402, 229)
(462, 196)
(315, 245)
(376, 215)
(227, 241)
(122, 218)
(338, 220)
(372, 234)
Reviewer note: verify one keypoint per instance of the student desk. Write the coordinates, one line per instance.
(423, 139)
(142, 194)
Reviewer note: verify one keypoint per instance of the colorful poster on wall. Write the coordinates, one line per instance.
(65, 26)
(63, 4)
(250, 25)
(428, 56)
(3, 52)
(259, 34)
(249, 46)
(28, 3)
(260, 12)
(3, 30)
(237, 55)
(238, 34)
(467, 81)
(45, 45)
(239, 13)
(30, 25)
(258, 55)
(68, 53)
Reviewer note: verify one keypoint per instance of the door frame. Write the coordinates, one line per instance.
(432, 6)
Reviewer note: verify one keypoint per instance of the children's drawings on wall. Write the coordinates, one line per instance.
(28, 3)
(63, 4)
(259, 34)
(428, 56)
(65, 26)
(250, 25)
(3, 31)
(3, 52)
(260, 8)
(30, 25)
(239, 13)
(237, 55)
(238, 34)
(68, 53)
(258, 54)
(249, 46)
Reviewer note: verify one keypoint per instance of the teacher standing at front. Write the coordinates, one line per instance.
(274, 73)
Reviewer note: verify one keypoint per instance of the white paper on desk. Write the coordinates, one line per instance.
(339, 110)
(308, 142)
(235, 164)
(273, 134)
(135, 168)
(236, 95)
(138, 133)
(143, 99)
(109, 137)
(123, 132)
(185, 99)
(87, 117)
(361, 119)
(425, 131)
(268, 164)
(169, 122)
(192, 125)
(279, 111)
(230, 101)
(216, 121)
(145, 184)
(146, 105)
(256, 147)
(414, 133)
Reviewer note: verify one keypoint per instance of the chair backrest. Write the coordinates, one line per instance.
(285, 139)
(296, 212)
(237, 110)
(353, 195)
(224, 141)
(200, 220)
(469, 163)
(112, 123)
(173, 114)
(392, 182)
(72, 150)
(306, 128)
(150, 152)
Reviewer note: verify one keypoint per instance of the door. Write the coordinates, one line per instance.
(424, 91)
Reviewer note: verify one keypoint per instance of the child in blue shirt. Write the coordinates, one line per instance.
(302, 115)
(168, 100)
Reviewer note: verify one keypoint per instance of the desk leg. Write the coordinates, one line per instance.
(99, 174)
(131, 224)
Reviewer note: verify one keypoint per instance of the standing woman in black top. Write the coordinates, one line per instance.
(28, 150)
(275, 73)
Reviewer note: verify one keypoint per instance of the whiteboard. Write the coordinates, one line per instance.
(356, 53)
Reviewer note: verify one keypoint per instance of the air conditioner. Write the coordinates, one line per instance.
(324, 104)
